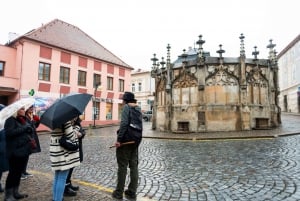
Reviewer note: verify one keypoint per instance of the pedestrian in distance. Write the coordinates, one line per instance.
(34, 121)
(70, 189)
(3, 158)
(127, 154)
(62, 159)
(17, 149)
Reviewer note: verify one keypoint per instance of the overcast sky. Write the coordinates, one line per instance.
(135, 29)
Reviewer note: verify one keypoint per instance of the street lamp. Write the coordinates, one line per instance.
(97, 86)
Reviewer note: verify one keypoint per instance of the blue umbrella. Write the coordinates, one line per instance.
(65, 109)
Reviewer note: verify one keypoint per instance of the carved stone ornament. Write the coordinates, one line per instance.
(185, 81)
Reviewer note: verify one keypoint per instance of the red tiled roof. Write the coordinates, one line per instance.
(69, 37)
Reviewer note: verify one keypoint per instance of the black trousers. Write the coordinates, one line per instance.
(68, 181)
(16, 167)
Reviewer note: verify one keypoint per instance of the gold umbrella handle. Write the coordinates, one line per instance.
(125, 143)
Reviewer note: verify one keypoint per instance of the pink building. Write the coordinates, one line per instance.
(58, 58)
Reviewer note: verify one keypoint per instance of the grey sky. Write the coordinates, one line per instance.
(135, 29)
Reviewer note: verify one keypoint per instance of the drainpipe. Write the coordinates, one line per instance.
(22, 44)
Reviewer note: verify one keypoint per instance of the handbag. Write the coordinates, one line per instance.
(32, 143)
(68, 144)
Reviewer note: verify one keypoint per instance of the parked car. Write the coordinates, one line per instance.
(147, 115)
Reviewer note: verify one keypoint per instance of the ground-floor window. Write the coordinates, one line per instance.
(109, 111)
(96, 112)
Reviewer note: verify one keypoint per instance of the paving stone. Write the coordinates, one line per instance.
(245, 168)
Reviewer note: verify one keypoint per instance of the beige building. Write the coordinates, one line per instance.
(202, 93)
(289, 77)
(143, 86)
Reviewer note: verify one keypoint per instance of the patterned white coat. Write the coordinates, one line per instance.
(62, 159)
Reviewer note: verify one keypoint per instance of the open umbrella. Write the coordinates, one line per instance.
(11, 109)
(65, 109)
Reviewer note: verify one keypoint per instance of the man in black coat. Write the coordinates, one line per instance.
(127, 155)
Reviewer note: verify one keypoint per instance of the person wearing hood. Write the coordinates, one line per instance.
(3, 158)
(127, 155)
(18, 150)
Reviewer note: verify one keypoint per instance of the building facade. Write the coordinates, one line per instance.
(58, 58)
(289, 77)
(143, 86)
(201, 93)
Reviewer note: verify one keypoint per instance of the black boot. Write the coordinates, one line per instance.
(69, 192)
(9, 195)
(74, 188)
(18, 195)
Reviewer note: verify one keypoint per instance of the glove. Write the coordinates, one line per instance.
(36, 118)
(28, 129)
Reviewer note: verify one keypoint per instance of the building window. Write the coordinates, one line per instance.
(64, 76)
(2, 68)
(96, 107)
(121, 85)
(44, 71)
(133, 87)
(201, 118)
(81, 78)
(140, 86)
(97, 80)
(109, 107)
(110, 81)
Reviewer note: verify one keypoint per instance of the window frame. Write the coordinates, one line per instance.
(121, 85)
(96, 80)
(64, 79)
(81, 78)
(46, 67)
(2, 65)
(110, 83)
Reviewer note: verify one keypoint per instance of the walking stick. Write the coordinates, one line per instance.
(125, 143)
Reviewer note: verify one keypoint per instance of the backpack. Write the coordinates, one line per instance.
(135, 127)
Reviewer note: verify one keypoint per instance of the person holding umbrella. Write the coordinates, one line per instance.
(70, 190)
(18, 150)
(3, 158)
(34, 121)
(64, 145)
(62, 159)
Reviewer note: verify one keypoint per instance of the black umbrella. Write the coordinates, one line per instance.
(65, 109)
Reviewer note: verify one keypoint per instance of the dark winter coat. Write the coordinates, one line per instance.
(3, 158)
(34, 124)
(17, 141)
(121, 134)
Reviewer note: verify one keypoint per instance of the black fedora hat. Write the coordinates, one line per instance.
(128, 96)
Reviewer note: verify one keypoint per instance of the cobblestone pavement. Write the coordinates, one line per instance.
(236, 166)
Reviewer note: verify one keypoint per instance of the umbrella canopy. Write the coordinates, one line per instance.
(65, 109)
(11, 109)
